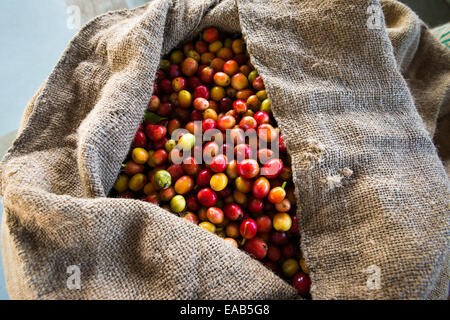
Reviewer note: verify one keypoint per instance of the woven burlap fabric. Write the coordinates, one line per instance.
(372, 191)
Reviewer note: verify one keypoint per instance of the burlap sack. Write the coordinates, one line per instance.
(373, 193)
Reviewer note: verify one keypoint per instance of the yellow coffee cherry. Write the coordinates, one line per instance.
(215, 46)
(266, 106)
(140, 155)
(184, 99)
(210, 114)
(208, 226)
(231, 170)
(303, 266)
(239, 197)
(290, 267)
(137, 182)
(238, 46)
(178, 204)
(186, 142)
(217, 93)
(243, 185)
(121, 184)
(282, 222)
(219, 181)
(262, 95)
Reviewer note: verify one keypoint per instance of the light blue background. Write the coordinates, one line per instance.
(33, 34)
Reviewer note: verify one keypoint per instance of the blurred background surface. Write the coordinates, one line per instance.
(33, 34)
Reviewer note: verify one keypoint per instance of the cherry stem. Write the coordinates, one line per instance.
(284, 185)
(243, 241)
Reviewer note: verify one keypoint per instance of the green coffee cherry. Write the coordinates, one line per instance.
(194, 55)
(164, 64)
(177, 56)
(121, 184)
(170, 145)
(262, 95)
(177, 204)
(163, 179)
(252, 76)
(266, 105)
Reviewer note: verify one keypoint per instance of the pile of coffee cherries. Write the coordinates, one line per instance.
(209, 150)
